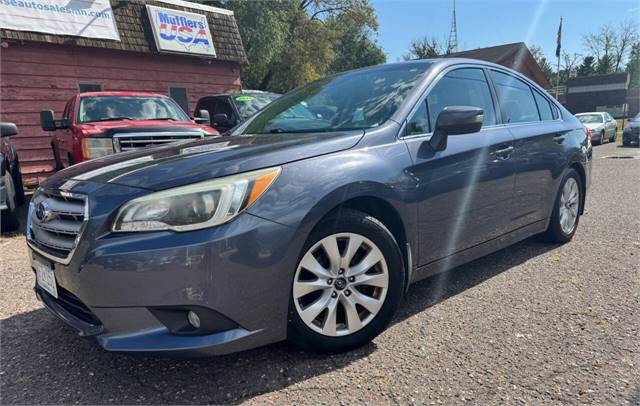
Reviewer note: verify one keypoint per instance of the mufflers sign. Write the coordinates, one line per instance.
(180, 32)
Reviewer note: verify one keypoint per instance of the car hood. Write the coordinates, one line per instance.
(593, 126)
(187, 162)
(110, 127)
(633, 124)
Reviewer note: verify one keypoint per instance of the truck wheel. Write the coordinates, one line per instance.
(9, 216)
(18, 185)
(347, 285)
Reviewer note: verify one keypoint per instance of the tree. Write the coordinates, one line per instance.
(627, 35)
(569, 65)
(604, 65)
(633, 65)
(541, 60)
(426, 47)
(587, 67)
(356, 45)
(291, 42)
(611, 46)
(601, 44)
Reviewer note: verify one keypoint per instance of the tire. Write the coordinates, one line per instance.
(17, 181)
(56, 158)
(614, 136)
(9, 216)
(347, 228)
(556, 232)
(602, 137)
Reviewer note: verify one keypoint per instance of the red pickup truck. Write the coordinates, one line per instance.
(96, 124)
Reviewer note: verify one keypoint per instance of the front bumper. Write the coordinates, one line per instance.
(240, 271)
(630, 136)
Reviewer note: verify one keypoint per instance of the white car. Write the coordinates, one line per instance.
(601, 124)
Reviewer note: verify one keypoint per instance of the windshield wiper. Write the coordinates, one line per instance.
(164, 119)
(111, 119)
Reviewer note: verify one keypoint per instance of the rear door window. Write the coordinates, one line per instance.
(516, 99)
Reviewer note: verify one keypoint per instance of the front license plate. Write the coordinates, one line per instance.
(45, 277)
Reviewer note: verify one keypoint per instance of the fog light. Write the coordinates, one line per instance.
(193, 318)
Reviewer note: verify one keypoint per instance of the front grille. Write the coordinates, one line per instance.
(132, 141)
(55, 221)
(74, 306)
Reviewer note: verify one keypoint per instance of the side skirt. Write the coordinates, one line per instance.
(478, 251)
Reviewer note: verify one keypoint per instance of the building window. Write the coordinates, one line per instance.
(89, 87)
(179, 94)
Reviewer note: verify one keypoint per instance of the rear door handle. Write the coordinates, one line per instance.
(559, 138)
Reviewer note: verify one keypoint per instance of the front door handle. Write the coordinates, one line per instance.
(503, 153)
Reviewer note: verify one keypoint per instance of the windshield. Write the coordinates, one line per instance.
(112, 108)
(590, 119)
(349, 101)
(249, 104)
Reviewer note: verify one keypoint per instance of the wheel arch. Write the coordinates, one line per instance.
(385, 212)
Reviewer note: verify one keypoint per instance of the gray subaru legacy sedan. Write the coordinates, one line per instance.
(311, 219)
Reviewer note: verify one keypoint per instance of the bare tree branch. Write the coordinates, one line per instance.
(627, 35)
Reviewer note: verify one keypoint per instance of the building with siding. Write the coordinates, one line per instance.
(42, 71)
(599, 93)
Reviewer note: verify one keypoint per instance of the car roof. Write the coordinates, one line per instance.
(114, 93)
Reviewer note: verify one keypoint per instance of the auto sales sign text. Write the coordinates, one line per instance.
(181, 32)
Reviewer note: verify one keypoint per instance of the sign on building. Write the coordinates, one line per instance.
(181, 32)
(81, 18)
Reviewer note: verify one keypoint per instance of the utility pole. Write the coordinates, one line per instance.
(452, 46)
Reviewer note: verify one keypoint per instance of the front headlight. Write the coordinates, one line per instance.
(196, 206)
(96, 147)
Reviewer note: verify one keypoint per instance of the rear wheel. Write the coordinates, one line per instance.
(566, 211)
(347, 286)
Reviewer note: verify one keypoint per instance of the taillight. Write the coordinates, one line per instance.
(587, 133)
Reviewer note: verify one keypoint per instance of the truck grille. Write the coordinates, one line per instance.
(55, 222)
(132, 141)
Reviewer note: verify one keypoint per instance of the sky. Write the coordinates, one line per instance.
(483, 23)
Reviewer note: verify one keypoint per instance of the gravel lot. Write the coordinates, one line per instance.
(535, 323)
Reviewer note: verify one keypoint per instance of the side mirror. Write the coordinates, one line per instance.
(8, 129)
(221, 119)
(455, 120)
(47, 122)
(203, 117)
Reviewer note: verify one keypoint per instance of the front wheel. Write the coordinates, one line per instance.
(347, 286)
(566, 210)
(614, 136)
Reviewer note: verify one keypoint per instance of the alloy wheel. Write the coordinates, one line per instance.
(340, 284)
(569, 206)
